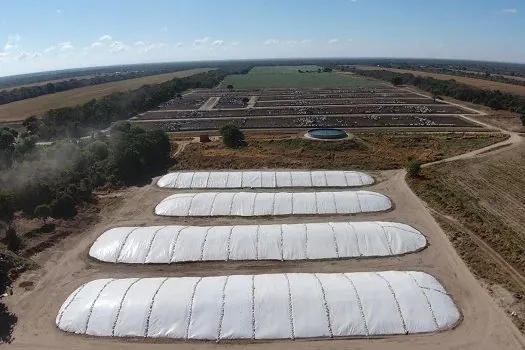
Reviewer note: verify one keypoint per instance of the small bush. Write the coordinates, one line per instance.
(98, 149)
(232, 136)
(13, 242)
(413, 168)
(397, 81)
(43, 211)
(64, 207)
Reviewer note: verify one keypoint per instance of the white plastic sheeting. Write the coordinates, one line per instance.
(264, 179)
(278, 306)
(264, 204)
(168, 244)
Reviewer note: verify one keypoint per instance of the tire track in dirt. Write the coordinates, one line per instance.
(516, 276)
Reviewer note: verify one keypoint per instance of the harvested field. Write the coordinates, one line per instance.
(366, 151)
(289, 77)
(479, 83)
(481, 203)
(17, 111)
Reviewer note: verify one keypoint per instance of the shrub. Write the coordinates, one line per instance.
(413, 168)
(232, 136)
(98, 149)
(43, 211)
(63, 207)
(397, 81)
(13, 242)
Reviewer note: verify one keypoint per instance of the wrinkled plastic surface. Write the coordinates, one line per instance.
(266, 204)
(168, 244)
(264, 179)
(277, 306)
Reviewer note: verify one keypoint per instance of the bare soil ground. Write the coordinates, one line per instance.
(67, 265)
(480, 83)
(17, 111)
(365, 151)
(481, 206)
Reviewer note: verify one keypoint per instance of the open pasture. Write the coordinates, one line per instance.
(290, 77)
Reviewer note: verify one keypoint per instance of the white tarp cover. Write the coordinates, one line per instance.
(264, 179)
(277, 306)
(272, 203)
(169, 244)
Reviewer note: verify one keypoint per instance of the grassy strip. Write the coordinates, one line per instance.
(367, 151)
(449, 198)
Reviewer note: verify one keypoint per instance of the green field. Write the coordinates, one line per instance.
(289, 77)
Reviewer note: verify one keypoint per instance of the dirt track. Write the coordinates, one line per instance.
(67, 265)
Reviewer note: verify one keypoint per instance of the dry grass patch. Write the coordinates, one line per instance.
(480, 205)
(367, 151)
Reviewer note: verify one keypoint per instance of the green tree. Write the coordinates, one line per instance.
(413, 168)
(43, 211)
(139, 154)
(98, 149)
(232, 136)
(32, 125)
(12, 240)
(63, 207)
(7, 147)
(122, 126)
(6, 208)
(230, 87)
(396, 81)
(328, 70)
(495, 103)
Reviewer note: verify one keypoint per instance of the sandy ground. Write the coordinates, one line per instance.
(67, 266)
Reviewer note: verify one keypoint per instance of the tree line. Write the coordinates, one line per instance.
(494, 99)
(482, 75)
(74, 122)
(25, 92)
(53, 181)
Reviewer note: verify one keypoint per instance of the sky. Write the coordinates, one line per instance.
(38, 35)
